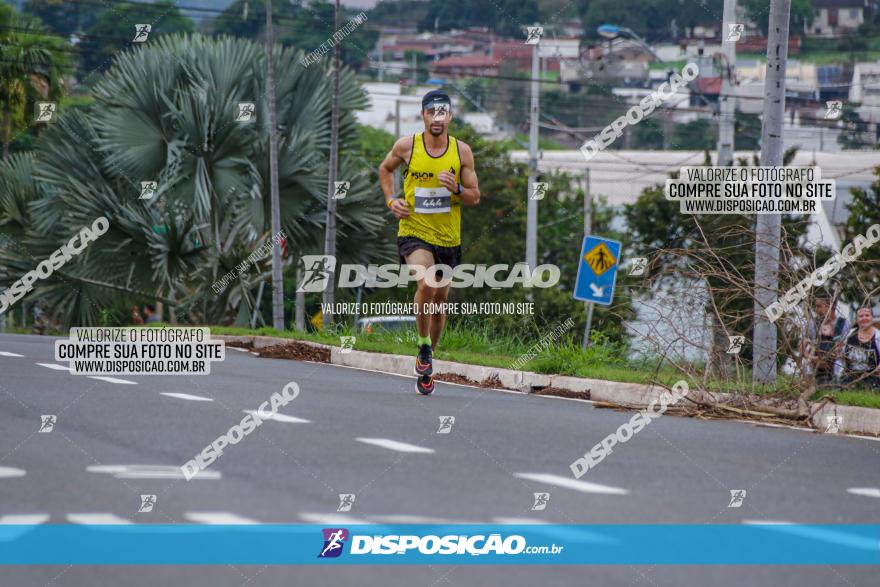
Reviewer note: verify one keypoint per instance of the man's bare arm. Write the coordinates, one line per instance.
(395, 158)
(470, 194)
(398, 155)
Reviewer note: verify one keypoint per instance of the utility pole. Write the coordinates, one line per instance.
(769, 226)
(726, 102)
(330, 234)
(381, 62)
(397, 174)
(588, 230)
(277, 276)
(531, 203)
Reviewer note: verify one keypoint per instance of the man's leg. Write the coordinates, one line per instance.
(424, 292)
(438, 320)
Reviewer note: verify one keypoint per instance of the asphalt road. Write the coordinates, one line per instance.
(369, 434)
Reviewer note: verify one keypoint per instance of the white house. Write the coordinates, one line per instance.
(834, 18)
(865, 90)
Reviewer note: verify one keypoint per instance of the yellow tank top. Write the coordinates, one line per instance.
(435, 213)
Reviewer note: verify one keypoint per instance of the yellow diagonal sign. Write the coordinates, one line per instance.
(600, 259)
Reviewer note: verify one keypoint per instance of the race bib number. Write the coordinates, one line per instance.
(433, 200)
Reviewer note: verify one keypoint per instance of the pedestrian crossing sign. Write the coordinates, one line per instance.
(600, 259)
(597, 270)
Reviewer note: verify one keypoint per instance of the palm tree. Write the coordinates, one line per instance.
(32, 66)
(166, 112)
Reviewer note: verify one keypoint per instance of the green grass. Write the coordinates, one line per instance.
(600, 361)
(675, 66)
(864, 399)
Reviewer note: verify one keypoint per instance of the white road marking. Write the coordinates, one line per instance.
(23, 519)
(148, 472)
(193, 398)
(395, 445)
(9, 472)
(218, 518)
(411, 519)
(515, 521)
(55, 366)
(8, 354)
(96, 518)
(279, 417)
(568, 483)
(239, 349)
(113, 380)
(865, 491)
(330, 519)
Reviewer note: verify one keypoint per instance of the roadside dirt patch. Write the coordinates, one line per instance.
(557, 392)
(240, 344)
(493, 381)
(296, 350)
(454, 378)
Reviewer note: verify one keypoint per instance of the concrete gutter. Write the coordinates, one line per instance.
(853, 419)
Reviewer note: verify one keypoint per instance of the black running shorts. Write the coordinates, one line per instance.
(442, 255)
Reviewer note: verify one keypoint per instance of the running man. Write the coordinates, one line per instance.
(438, 178)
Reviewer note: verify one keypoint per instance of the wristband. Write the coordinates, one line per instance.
(460, 189)
(389, 202)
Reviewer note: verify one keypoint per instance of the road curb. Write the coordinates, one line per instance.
(853, 419)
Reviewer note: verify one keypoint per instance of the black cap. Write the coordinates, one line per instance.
(435, 97)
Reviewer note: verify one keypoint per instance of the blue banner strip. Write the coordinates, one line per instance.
(285, 544)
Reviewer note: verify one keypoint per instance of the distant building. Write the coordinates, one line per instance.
(619, 61)
(865, 90)
(554, 53)
(833, 82)
(475, 65)
(835, 18)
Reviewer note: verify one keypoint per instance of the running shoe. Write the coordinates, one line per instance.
(423, 361)
(425, 385)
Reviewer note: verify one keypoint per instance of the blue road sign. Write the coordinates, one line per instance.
(597, 270)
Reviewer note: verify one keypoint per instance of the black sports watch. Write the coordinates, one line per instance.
(460, 189)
